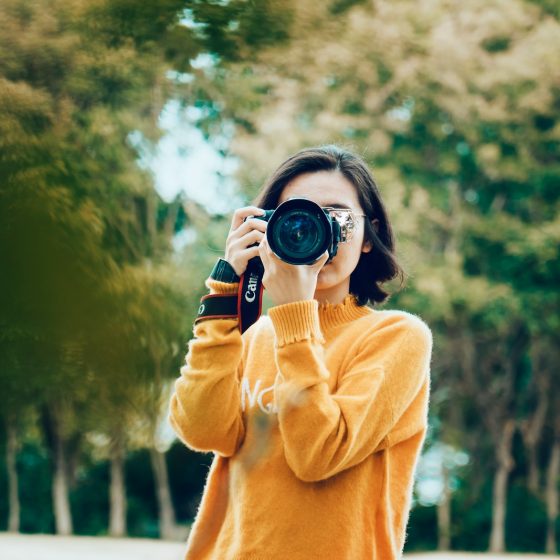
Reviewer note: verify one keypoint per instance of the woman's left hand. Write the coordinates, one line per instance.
(286, 283)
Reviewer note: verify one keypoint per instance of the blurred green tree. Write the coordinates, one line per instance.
(93, 307)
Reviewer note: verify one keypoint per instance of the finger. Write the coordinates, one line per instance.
(263, 244)
(266, 246)
(241, 213)
(249, 253)
(254, 236)
(263, 250)
(319, 263)
(248, 225)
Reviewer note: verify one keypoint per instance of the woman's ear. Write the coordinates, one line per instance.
(367, 245)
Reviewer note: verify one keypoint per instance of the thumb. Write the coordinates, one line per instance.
(321, 261)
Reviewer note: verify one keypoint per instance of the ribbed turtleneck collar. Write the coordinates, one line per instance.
(332, 315)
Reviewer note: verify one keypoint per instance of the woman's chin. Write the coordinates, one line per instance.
(323, 280)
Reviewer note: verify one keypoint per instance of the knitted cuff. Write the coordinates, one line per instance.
(295, 321)
(217, 287)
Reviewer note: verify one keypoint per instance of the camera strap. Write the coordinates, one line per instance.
(217, 306)
(249, 297)
(246, 304)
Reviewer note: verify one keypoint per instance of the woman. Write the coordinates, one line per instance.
(317, 413)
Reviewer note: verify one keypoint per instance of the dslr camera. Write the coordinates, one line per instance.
(299, 231)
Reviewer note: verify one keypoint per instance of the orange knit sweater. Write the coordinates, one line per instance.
(316, 416)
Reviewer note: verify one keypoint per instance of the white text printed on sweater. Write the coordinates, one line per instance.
(256, 396)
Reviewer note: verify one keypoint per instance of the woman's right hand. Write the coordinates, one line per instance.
(242, 235)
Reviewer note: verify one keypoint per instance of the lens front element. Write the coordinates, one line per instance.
(299, 231)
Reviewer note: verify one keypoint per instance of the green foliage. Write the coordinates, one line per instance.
(526, 533)
(233, 29)
(142, 518)
(86, 496)
(456, 110)
(96, 310)
(187, 473)
(34, 489)
(548, 7)
(421, 532)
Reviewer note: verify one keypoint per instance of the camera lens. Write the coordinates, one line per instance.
(299, 231)
(298, 234)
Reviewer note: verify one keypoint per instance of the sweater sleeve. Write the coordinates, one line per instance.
(325, 433)
(205, 409)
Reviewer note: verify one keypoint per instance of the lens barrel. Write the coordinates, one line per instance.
(299, 231)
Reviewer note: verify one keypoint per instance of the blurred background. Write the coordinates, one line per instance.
(130, 130)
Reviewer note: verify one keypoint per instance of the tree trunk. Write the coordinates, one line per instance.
(533, 482)
(444, 514)
(499, 499)
(552, 496)
(117, 497)
(62, 512)
(532, 427)
(167, 524)
(13, 485)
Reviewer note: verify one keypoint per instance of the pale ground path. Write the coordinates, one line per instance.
(49, 547)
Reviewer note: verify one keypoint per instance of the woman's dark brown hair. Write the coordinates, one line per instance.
(380, 264)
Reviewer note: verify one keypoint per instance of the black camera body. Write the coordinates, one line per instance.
(299, 231)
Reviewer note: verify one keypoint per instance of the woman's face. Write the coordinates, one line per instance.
(331, 188)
